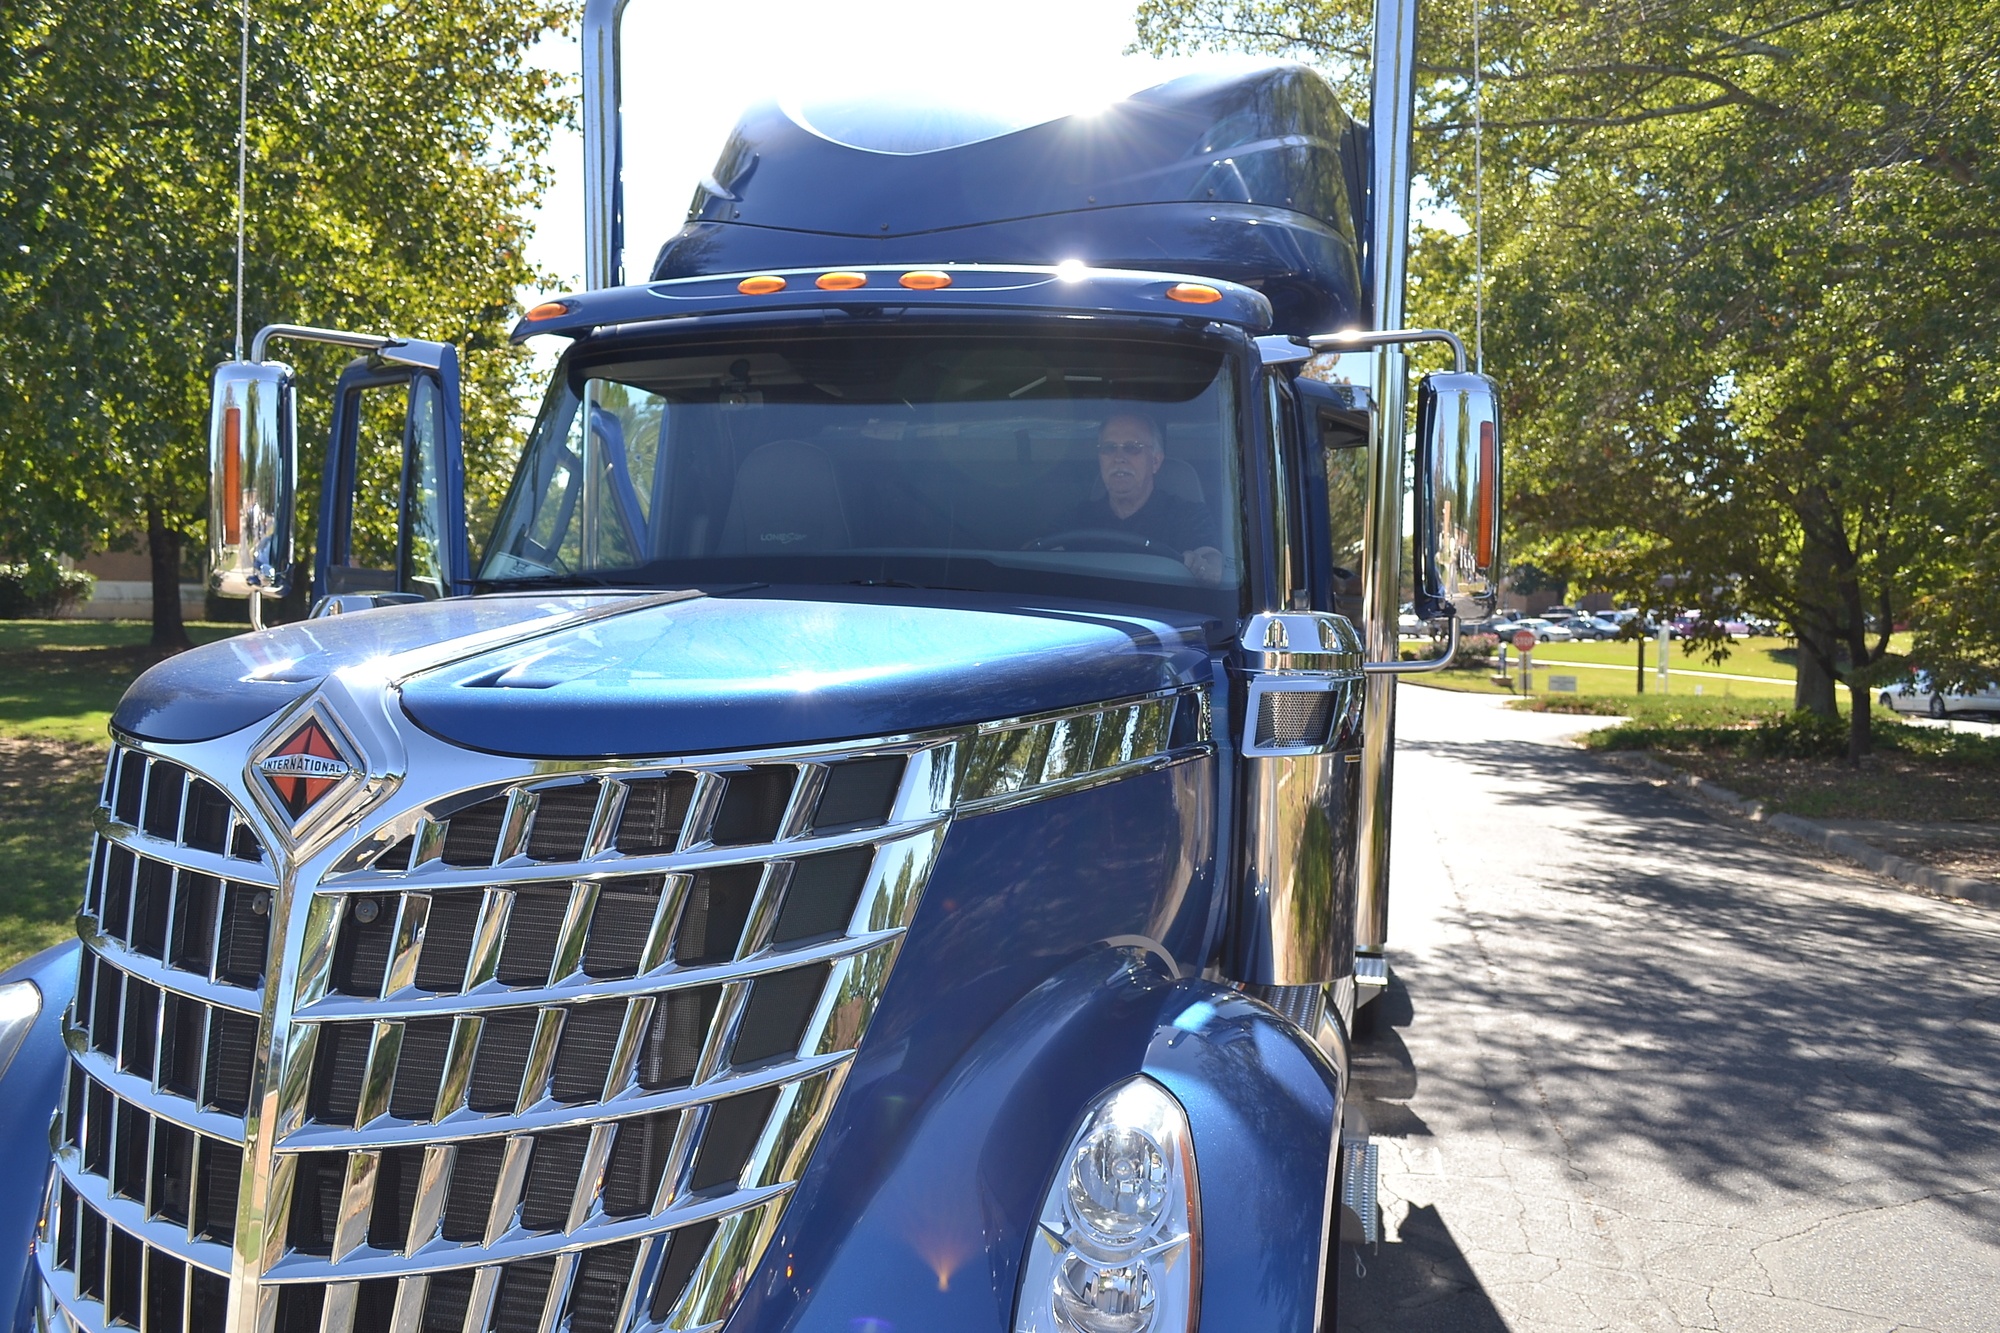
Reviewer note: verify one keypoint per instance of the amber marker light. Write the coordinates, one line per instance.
(1194, 293)
(925, 280)
(842, 282)
(762, 285)
(549, 310)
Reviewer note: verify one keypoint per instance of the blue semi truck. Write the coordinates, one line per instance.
(888, 832)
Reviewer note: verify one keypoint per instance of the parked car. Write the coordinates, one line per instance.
(1592, 627)
(1545, 631)
(1917, 694)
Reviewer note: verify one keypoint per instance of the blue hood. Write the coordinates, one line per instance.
(746, 673)
(602, 676)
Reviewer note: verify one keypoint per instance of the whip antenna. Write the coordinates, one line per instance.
(242, 154)
(1478, 209)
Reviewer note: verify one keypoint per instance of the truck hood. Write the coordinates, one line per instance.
(610, 675)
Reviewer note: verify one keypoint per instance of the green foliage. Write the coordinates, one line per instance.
(392, 159)
(1741, 261)
(41, 588)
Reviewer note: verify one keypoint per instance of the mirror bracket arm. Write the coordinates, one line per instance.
(1418, 668)
(369, 342)
(1354, 339)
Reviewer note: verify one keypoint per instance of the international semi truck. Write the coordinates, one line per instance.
(886, 832)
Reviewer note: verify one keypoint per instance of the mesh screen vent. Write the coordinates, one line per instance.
(655, 809)
(1290, 718)
(562, 823)
(472, 836)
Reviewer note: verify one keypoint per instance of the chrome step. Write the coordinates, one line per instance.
(1360, 1218)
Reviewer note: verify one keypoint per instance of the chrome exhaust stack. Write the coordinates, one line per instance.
(603, 147)
(1391, 110)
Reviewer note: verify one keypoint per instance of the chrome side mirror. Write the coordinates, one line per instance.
(253, 457)
(1457, 503)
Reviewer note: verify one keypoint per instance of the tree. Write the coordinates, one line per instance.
(1741, 266)
(392, 158)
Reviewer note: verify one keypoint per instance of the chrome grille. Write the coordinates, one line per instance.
(545, 1053)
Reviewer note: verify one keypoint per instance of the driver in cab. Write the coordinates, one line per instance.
(1129, 454)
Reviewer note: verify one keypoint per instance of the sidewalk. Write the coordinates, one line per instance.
(1887, 847)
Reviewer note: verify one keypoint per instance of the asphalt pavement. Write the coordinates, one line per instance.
(1644, 1067)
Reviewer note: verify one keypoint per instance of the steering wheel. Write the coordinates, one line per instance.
(1101, 539)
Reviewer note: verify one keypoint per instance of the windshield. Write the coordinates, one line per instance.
(1078, 467)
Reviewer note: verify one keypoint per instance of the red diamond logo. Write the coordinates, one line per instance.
(304, 769)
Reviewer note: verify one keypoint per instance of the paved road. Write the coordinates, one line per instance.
(1649, 1069)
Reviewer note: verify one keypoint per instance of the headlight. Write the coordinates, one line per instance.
(20, 1005)
(1116, 1248)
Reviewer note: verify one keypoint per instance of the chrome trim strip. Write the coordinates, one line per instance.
(667, 978)
(256, 874)
(168, 1106)
(191, 985)
(516, 1244)
(130, 1215)
(463, 1124)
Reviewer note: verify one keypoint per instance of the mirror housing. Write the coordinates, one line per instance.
(1457, 501)
(253, 465)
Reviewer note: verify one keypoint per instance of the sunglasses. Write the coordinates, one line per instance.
(1106, 448)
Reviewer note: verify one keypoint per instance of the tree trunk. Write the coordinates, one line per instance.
(164, 545)
(1860, 721)
(1813, 690)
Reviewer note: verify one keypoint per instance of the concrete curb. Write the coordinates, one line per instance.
(1913, 874)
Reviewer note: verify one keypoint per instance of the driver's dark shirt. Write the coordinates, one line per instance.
(1181, 525)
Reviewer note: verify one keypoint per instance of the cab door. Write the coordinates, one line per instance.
(392, 504)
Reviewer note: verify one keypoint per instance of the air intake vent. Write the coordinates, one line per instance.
(1295, 718)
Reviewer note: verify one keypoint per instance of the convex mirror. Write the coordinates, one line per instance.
(253, 456)
(1457, 504)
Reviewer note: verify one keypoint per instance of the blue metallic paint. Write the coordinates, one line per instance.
(226, 686)
(1052, 957)
(749, 672)
(28, 1095)
(1253, 176)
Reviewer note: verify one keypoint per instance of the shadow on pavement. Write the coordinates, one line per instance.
(1420, 1283)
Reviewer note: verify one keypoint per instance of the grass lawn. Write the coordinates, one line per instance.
(59, 681)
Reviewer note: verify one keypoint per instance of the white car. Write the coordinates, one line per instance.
(1545, 631)
(1916, 694)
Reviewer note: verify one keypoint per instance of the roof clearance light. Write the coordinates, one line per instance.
(842, 282)
(549, 310)
(1194, 293)
(925, 280)
(762, 285)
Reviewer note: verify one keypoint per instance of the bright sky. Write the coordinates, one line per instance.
(691, 66)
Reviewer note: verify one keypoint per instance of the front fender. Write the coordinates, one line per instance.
(938, 1243)
(28, 1094)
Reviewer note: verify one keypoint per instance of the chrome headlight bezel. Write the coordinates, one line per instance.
(1157, 1270)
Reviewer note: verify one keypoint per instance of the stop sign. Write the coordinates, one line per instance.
(1524, 640)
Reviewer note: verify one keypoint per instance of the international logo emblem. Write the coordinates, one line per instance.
(304, 768)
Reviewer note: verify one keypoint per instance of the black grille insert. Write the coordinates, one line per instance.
(475, 1172)
(420, 1068)
(562, 822)
(534, 928)
(472, 836)
(820, 900)
(583, 1052)
(858, 794)
(552, 1176)
(655, 809)
(775, 1019)
(367, 937)
(524, 1287)
(733, 1126)
(620, 925)
(447, 948)
(675, 1037)
(395, 1196)
(753, 806)
(639, 1155)
(685, 1248)
(717, 906)
(501, 1060)
(601, 1279)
